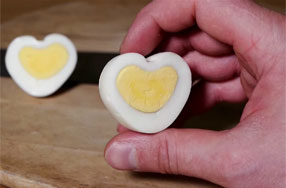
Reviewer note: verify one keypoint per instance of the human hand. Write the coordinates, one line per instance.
(238, 50)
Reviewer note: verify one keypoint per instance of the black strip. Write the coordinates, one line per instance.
(88, 69)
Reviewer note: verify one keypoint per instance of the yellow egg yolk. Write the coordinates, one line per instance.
(43, 63)
(146, 91)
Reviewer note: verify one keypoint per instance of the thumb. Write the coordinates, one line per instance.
(190, 152)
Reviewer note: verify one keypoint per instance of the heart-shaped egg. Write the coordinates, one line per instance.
(41, 67)
(145, 95)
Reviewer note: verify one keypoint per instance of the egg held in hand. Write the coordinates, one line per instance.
(145, 95)
(41, 67)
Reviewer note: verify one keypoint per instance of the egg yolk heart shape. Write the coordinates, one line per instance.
(146, 91)
(44, 63)
(41, 67)
(145, 95)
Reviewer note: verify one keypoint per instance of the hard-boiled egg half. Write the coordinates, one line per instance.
(145, 95)
(41, 67)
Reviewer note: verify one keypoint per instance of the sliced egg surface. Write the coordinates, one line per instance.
(41, 67)
(145, 95)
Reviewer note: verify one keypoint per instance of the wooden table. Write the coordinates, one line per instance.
(58, 142)
(93, 25)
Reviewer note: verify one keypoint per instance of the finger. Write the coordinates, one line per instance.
(194, 39)
(149, 27)
(198, 153)
(121, 129)
(205, 95)
(236, 23)
(213, 68)
(204, 43)
(177, 43)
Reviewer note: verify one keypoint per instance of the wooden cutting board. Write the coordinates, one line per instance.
(58, 142)
(93, 25)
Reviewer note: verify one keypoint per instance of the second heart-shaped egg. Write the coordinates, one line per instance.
(41, 67)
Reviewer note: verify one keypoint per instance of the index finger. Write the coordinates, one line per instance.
(153, 21)
(236, 23)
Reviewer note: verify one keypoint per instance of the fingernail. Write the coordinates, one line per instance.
(121, 156)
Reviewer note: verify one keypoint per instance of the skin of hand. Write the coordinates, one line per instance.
(238, 50)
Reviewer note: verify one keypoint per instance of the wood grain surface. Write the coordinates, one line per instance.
(58, 142)
(93, 25)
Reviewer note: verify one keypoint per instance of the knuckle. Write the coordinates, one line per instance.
(167, 154)
(218, 94)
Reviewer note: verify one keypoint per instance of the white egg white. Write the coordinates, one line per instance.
(31, 85)
(134, 119)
